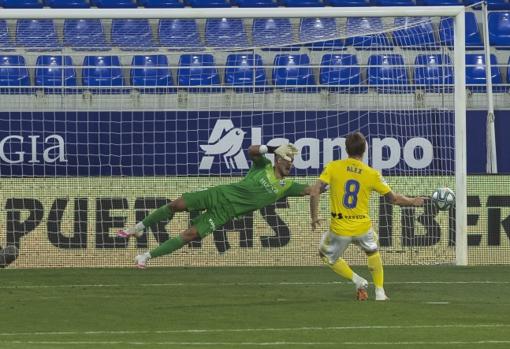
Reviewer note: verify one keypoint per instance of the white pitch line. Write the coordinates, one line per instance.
(282, 329)
(207, 284)
(431, 343)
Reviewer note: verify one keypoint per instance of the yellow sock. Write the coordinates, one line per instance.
(376, 268)
(342, 268)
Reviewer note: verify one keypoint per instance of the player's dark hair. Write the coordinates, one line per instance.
(355, 144)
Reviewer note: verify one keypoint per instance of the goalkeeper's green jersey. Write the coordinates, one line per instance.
(259, 188)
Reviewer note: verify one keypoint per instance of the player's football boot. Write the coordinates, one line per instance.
(141, 261)
(361, 290)
(380, 295)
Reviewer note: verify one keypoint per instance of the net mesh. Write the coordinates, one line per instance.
(106, 120)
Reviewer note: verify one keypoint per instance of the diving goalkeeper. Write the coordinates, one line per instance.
(262, 186)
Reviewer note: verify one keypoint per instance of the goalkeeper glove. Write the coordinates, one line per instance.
(286, 151)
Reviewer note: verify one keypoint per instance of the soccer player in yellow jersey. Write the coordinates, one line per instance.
(350, 184)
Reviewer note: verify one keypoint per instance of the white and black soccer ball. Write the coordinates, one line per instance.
(443, 198)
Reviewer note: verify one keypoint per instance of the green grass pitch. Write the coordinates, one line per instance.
(430, 307)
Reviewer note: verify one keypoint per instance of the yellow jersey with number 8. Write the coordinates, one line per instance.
(350, 184)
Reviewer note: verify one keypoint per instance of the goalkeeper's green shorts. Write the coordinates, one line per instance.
(217, 214)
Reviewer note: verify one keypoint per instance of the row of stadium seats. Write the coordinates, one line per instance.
(493, 4)
(386, 73)
(136, 34)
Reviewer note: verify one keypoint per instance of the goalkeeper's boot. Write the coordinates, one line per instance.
(361, 288)
(141, 260)
(380, 295)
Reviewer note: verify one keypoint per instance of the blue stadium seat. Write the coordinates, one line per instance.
(132, 34)
(246, 73)
(317, 31)
(476, 79)
(256, 3)
(341, 73)
(499, 29)
(13, 75)
(102, 74)
(302, 3)
(225, 32)
(394, 2)
(472, 33)
(179, 34)
(387, 73)
(115, 3)
(196, 71)
(5, 41)
(84, 34)
(498, 5)
(292, 73)
(367, 41)
(209, 3)
(433, 72)
(53, 73)
(151, 74)
(68, 3)
(416, 33)
(36, 34)
(272, 33)
(23, 3)
(442, 2)
(348, 3)
(161, 3)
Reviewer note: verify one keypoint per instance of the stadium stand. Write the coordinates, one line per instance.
(476, 77)
(316, 31)
(132, 34)
(23, 3)
(55, 72)
(433, 72)
(472, 32)
(101, 73)
(387, 73)
(302, 3)
(368, 41)
(85, 34)
(223, 32)
(37, 34)
(245, 73)
(348, 3)
(209, 3)
(161, 3)
(115, 3)
(13, 73)
(416, 33)
(179, 34)
(68, 3)
(5, 40)
(394, 2)
(341, 73)
(293, 70)
(198, 70)
(267, 32)
(148, 71)
(256, 3)
(499, 29)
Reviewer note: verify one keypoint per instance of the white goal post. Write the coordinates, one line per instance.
(456, 12)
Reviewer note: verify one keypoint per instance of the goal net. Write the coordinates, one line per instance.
(107, 115)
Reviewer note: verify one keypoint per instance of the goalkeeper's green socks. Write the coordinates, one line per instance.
(376, 268)
(167, 247)
(158, 215)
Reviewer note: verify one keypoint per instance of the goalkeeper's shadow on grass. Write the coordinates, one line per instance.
(8, 255)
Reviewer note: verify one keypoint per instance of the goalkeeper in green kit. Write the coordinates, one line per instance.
(262, 186)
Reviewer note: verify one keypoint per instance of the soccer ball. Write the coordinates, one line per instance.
(443, 198)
